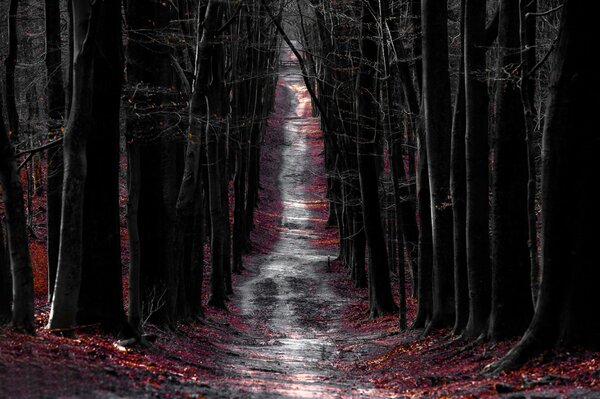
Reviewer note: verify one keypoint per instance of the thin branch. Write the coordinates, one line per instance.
(27, 159)
(542, 61)
(182, 76)
(40, 148)
(231, 19)
(543, 13)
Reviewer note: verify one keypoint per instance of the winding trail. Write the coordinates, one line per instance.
(288, 293)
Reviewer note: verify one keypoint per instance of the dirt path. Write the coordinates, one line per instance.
(288, 295)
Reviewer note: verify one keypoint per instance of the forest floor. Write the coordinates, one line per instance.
(295, 326)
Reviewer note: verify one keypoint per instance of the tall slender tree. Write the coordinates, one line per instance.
(56, 115)
(18, 243)
(511, 289)
(477, 160)
(437, 115)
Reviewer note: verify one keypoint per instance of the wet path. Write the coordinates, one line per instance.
(288, 294)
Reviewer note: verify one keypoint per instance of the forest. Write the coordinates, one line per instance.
(299, 198)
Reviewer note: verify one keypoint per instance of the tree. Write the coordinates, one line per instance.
(477, 160)
(56, 110)
(5, 279)
(155, 159)
(380, 294)
(18, 243)
(89, 253)
(209, 92)
(511, 291)
(437, 116)
(568, 298)
(458, 193)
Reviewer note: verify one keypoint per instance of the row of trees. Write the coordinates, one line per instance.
(432, 136)
(432, 115)
(194, 84)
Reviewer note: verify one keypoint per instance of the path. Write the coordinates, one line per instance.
(289, 293)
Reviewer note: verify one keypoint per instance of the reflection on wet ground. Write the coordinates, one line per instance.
(289, 293)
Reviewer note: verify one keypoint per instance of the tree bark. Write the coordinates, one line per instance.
(437, 118)
(511, 283)
(18, 243)
(477, 161)
(68, 278)
(568, 297)
(380, 293)
(56, 115)
(425, 262)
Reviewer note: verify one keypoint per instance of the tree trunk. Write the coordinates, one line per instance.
(568, 299)
(437, 118)
(528, 59)
(68, 278)
(5, 279)
(477, 161)
(56, 111)
(134, 287)
(101, 297)
(458, 193)
(380, 293)
(511, 282)
(152, 120)
(425, 262)
(88, 283)
(18, 243)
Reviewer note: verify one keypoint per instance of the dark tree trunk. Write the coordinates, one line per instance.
(134, 287)
(152, 125)
(101, 297)
(380, 293)
(56, 116)
(458, 192)
(424, 289)
(209, 84)
(68, 278)
(477, 161)
(5, 279)
(568, 299)
(528, 60)
(437, 117)
(511, 290)
(89, 255)
(404, 89)
(18, 243)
